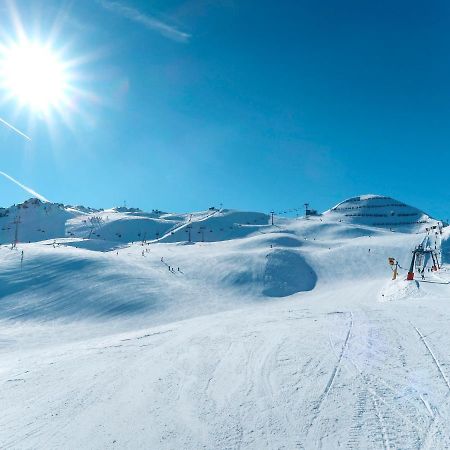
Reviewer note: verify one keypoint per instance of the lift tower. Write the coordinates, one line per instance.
(418, 252)
(16, 231)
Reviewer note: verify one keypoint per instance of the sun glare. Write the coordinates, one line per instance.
(44, 78)
(34, 75)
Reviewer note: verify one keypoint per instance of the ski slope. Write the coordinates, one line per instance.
(258, 336)
(381, 211)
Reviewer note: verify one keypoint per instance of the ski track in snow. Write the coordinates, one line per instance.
(436, 420)
(435, 360)
(332, 378)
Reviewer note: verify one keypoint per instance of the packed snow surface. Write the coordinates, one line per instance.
(216, 329)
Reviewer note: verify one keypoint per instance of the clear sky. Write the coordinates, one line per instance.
(184, 104)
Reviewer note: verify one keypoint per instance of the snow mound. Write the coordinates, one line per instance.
(287, 273)
(380, 211)
(400, 290)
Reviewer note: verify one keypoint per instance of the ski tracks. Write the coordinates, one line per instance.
(436, 419)
(436, 361)
(331, 380)
(389, 416)
(384, 414)
(338, 364)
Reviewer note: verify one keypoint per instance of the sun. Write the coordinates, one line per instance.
(46, 78)
(33, 74)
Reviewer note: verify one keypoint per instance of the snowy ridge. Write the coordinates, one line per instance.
(41, 221)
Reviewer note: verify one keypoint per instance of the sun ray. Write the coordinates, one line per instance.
(33, 74)
(43, 80)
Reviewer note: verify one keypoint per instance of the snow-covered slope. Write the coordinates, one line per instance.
(381, 211)
(116, 331)
(39, 221)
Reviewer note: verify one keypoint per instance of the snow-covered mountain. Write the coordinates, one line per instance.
(381, 211)
(40, 221)
(217, 329)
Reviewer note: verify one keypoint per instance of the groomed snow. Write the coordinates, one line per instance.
(260, 337)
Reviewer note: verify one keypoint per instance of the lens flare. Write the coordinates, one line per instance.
(34, 75)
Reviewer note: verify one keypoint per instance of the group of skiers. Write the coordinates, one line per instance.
(171, 268)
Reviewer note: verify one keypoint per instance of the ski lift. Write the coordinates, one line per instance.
(418, 257)
(419, 260)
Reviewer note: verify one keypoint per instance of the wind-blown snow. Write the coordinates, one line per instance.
(118, 332)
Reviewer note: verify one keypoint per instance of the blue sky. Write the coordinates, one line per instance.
(257, 105)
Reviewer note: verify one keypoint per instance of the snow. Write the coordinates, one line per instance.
(381, 211)
(283, 336)
(400, 289)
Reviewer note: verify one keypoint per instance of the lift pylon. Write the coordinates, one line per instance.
(421, 252)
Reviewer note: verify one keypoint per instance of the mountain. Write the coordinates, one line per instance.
(42, 221)
(381, 211)
(118, 330)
